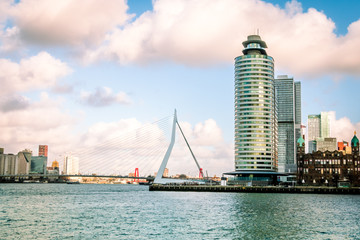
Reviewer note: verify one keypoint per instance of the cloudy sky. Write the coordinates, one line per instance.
(71, 70)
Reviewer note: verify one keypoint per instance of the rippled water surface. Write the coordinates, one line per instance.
(64, 211)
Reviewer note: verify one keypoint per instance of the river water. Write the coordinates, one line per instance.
(86, 211)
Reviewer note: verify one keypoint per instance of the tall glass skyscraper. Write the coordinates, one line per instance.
(255, 109)
(288, 95)
(318, 129)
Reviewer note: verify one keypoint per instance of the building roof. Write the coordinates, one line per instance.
(254, 39)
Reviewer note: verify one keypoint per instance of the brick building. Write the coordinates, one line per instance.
(328, 167)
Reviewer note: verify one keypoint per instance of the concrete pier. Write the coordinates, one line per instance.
(267, 189)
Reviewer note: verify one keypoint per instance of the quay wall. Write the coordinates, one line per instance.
(267, 189)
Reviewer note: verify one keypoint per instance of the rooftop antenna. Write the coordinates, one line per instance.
(258, 31)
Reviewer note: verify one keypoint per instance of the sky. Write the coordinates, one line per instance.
(86, 69)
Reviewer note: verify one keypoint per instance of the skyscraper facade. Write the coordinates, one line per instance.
(255, 109)
(71, 165)
(318, 129)
(43, 150)
(324, 125)
(288, 96)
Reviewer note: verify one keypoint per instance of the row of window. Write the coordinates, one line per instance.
(253, 100)
(253, 96)
(254, 145)
(238, 140)
(244, 65)
(264, 81)
(254, 56)
(330, 161)
(258, 74)
(253, 87)
(239, 70)
(252, 113)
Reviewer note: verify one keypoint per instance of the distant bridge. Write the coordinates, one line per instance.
(68, 176)
(118, 156)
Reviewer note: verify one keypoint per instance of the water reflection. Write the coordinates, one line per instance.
(295, 216)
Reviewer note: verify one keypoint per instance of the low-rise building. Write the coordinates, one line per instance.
(326, 144)
(328, 167)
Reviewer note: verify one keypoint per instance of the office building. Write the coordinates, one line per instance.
(255, 109)
(71, 165)
(324, 125)
(43, 150)
(38, 164)
(314, 127)
(318, 130)
(288, 96)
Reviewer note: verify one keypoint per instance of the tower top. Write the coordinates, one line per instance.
(301, 142)
(354, 140)
(254, 45)
(254, 39)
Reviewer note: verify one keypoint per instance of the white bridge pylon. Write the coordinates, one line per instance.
(159, 176)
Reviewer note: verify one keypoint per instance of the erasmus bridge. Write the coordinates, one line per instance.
(137, 153)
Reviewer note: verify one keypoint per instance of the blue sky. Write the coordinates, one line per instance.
(71, 69)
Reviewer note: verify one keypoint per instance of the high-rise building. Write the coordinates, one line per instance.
(255, 109)
(324, 125)
(318, 129)
(71, 165)
(43, 150)
(288, 96)
(314, 127)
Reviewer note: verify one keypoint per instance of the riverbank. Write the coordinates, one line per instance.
(267, 189)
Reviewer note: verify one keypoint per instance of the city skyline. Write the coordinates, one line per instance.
(69, 75)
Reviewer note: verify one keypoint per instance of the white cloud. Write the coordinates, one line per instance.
(10, 41)
(67, 22)
(119, 147)
(41, 122)
(104, 96)
(205, 32)
(37, 72)
(343, 128)
(13, 103)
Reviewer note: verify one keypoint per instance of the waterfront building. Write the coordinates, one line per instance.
(255, 110)
(8, 163)
(329, 167)
(288, 96)
(326, 144)
(24, 161)
(71, 165)
(43, 150)
(38, 164)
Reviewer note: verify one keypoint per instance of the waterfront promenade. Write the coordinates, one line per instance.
(267, 189)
